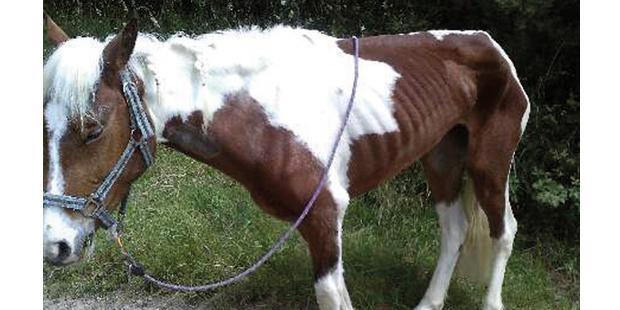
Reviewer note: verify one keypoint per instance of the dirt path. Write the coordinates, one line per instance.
(118, 301)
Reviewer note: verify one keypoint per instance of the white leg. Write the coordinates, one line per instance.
(342, 289)
(331, 291)
(502, 249)
(453, 229)
(327, 295)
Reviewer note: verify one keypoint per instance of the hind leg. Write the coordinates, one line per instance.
(322, 230)
(503, 227)
(502, 248)
(443, 167)
(453, 228)
(488, 165)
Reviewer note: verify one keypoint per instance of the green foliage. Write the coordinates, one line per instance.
(549, 192)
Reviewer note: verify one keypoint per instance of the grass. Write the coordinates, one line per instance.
(189, 223)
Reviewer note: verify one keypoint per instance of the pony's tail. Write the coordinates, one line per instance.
(476, 252)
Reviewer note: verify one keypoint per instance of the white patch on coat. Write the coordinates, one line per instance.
(56, 122)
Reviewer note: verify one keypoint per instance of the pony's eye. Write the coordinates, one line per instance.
(93, 135)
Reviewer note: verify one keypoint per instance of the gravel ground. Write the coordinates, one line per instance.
(118, 301)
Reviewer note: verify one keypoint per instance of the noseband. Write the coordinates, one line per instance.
(141, 131)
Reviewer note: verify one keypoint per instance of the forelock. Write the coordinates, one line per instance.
(70, 76)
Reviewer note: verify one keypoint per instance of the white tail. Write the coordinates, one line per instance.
(476, 252)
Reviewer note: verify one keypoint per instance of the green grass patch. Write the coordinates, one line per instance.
(191, 224)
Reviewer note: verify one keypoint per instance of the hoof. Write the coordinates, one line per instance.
(427, 305)
(489, 306)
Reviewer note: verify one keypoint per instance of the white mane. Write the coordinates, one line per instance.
(70, 75)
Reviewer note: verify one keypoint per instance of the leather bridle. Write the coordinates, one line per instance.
(141, 131)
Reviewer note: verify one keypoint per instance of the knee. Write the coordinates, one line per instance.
(504, 245)
(506, 240)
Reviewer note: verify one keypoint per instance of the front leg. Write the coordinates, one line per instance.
(322, 231)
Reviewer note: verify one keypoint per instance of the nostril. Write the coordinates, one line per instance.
(63, 251)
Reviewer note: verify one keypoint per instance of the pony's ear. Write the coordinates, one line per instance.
(116, 54)
(54, 33)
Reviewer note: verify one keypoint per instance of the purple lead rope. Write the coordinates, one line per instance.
(137, 269)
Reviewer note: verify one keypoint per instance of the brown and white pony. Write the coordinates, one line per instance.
(264, 106)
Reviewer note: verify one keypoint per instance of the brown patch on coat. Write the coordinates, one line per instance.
(446, 87)
(279, 173)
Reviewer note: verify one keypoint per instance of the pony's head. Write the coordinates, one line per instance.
(86, 129)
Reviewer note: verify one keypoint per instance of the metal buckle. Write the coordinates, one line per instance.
(89, 211)
(136, 136)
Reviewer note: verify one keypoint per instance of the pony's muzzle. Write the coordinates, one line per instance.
(65, 252)
(66, 238)
(62, 250)
(58, 252)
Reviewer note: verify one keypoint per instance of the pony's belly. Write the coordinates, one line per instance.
(377, 158)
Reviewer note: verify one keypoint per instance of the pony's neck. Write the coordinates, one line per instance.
(184, 75)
